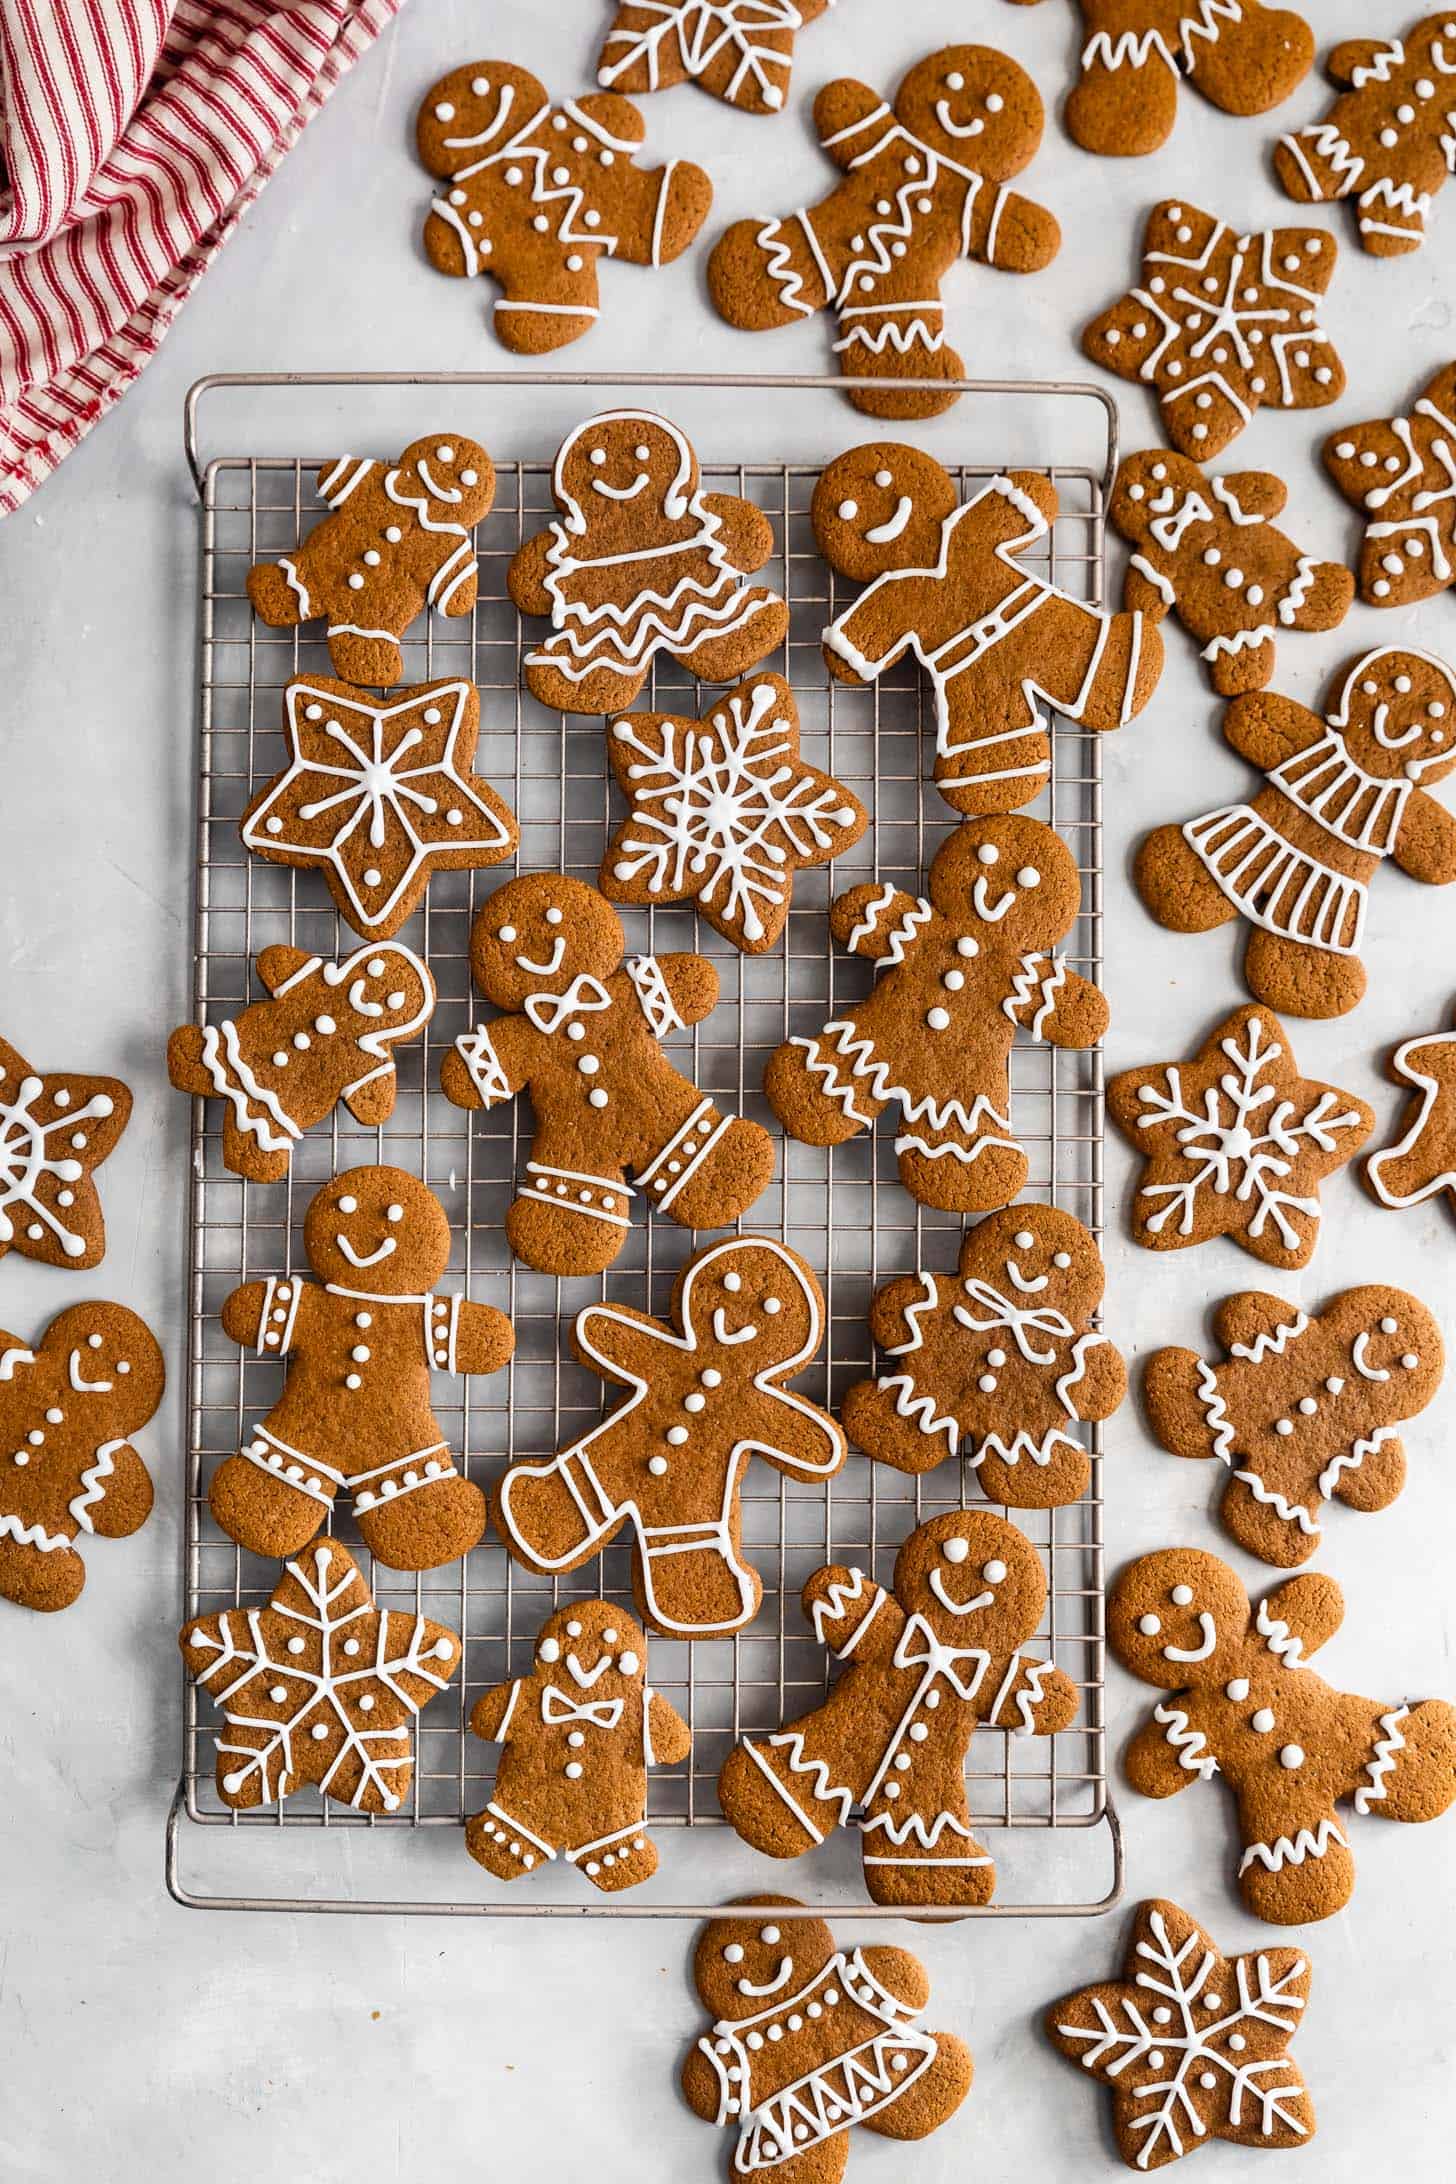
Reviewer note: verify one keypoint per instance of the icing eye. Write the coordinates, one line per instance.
(394, 1213)
(549, 1649)
(884, 479)
(609, 1637)
(444, 111)
(643, 454)
(1149, 1625)
(508, 932)
(993, 1572)
(469, 477)
(1062, 1259)
(1369, 688)
(445, 454)
(1182, 1596)
(955, 81)
(1028, 876)
(348, 1205)
(553, 916)
(1402, 683)
(395, 1000)
(599, 456)
(733, 1283)
(848, 510)
(1160, 470)
(772, 1305)
(733, 1954)
(1024, 1239)
(375, 966)
(629, 1664)
(769, 1934)
(988, 853)
(573, 1630)
(955, 1550)
(480, 85)
(994, 102)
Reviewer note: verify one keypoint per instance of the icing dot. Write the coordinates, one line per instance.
(1284, 1426)
(1388, 1325)
(572, 1770)
(938, 1019)
(1291, 1756)
(295, 1645)
(772, 1306)
(1262, 1722)
(733, 1954)
(1208, 2079)
(1028, 876)
(444, 111)
(676, 1435)
(1156, 2058)
(988, 853)
(657, 1465)
(1237, 1689)
(1149, 1625)
(965, 946)
(955, 1549)
(1062, 1259)
(732, 1282)
(986, 1383)
(849, 510)
(993, 1572)
(1182, 1596)
(1410, 1361)
(550, 1649)
(711, 1377)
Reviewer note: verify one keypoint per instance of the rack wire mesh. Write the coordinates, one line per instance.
(844, 1210)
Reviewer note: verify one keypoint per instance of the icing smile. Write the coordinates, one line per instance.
(953, 127)
(622, 492)
(80, 1383)
(720, 1328)
(586, 1677)
(1209, 1629)
(958, 1607)
(1028, 1288)
(360, 1003)
(363, 1259)
(545, 970)
(982, 902)
(780, 1979)
(885, 534)
(436, 492)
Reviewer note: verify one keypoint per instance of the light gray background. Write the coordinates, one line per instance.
(238, 2046)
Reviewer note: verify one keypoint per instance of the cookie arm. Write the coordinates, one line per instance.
(242, 1313)
(126, 1496)
(1011, 231)
(620, 1343)
(744, 532)
(1147, 590)
(1055, 1004)
(851, 1615)
(1152, 1765)
(669, 1739)
(1300, 1615)
(1425, 841)
(484, 1338)
(1102, 1382)
(1266, 729)
(848, 118)
(875, 922)
(1033, 1698)
(1352, 55)
(490, 1063)
(276, 965)
(526, 577)
(692, 984)
(889, 1314)
(899, 1973)
(869, 637)
(1256, 492)
(491, 1717)
(371, 1099)
(702, 2088)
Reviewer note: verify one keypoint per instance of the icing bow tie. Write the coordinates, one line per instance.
(962, 1666)
(1018, 1320)
(601, 1713)
(1171, 517)
(549, 1011)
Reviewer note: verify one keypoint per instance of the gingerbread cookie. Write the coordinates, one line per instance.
(930, 1662)
(1245, 58)
(320, 1686)
(1245, 1704)
(1236, 1142)
(1222, 324)
(378, 796)
(964, 971)
(581, 1035)
(67, 1411)
(808, 2041)
(54, 1129)
(355, 1408)
(326, 1035)
(1422, 1161)
(1341, 795)
(997, 1365)
(1400, 473)
(1193, 2043)
(1388, 142)
(1303, 1408)
(740, 50)
(539, 194)
(579, 1734)
(643, 561)
(724, 812)
(707, 1394)
(396, 541)
(995, 638)
(922, 188)
(1207, 550)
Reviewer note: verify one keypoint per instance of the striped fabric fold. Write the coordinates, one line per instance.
(133, 135)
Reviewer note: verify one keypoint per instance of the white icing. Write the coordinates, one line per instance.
(37, 1158)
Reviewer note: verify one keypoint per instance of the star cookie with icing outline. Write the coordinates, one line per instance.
(1193, 2043)
(1400, 474)
(1236, 1142)
(742, 51)
(724, 810)
(1222, 324)
(55, 1127)
(378, 794)
(320, 1686)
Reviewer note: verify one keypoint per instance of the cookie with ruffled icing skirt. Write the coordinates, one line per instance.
(1386, 143)
(56, 1127)
(742, 51)
(1399, 473)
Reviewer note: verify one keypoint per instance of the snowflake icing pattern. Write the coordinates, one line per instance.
(53, 1131)
(748, 44)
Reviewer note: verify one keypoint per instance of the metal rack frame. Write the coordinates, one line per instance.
(845, 1209)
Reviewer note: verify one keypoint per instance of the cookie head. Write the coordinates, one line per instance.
(538, 934)
(881, 507)
(1040, 1258)
(378, 1230)
(453, 477)
(1397, 714)
(1149, 488)
(975, 1579)
(1011, 880)
(745, 1964)
(592, 1646)
(474, 111)
(113, 1360)
(974, 106)
(754, 1296)
(624, 462)
(1176, 1617)
(385, 992)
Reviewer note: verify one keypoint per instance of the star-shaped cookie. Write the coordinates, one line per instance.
(1400, 472)
(1422, 1161)
(54, 1130)
(740, 50)
(1222, 323)
(378, 794)
(319, 1686)
(1193, 2043)
(1236, 1142)
(724, 810)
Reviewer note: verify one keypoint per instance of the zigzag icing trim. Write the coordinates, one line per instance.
(93, 1489)
(1284, 1643)
(1292, 1512)
(822, 1785)
(921, 1408)
(1264, 1345)
(31, 1535)
(1030, 979)
(904, 932)
(837, 1603)
(1350, 1459)
(1186, 1741)
(1382, 1760)
(1276, 1855)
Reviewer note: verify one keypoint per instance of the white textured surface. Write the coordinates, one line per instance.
(237, 2047)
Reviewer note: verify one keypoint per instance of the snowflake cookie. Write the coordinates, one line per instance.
(579, 1734)
(1243, 1703)
(930, 1661)
(1341, 795)
(1389, 142)
(809, 2040)
(922, 188)
(378, 795)
(996, 1364)
(1422, 1161)
(1304, 1408)
(740, 50)
(54, 1129)
(1400, 473)
(1194, 2044)
(669, 1463)
(1236, 1142)
(319, 1686)
(67, 1411)
(1222, 323)
(724, 811)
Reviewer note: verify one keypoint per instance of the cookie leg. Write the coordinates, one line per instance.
(365, 657)
(1314, 166)
(1034, 1483)
(498, 1842)
(938, 2093)
(891, 1877)
(269, 1499)
(940, 1168)
(35, 1579)
(710, 1170)
(894, 342)
(1298, 980)
(1411, 1772)
(1276, 1528)
(688, 1585)
(1327, 601)
(1253, 64)
(1306, 1873)
(422, 1527)
(821, 2164)
(1177, 887)
(770, 1805)
(566, 1222)
(1125, 110)
(1373, 1482)
(723, 658)
(553, 1516)
(617, 1861)
(898, 1423)
(601, 690)
(815, 1093)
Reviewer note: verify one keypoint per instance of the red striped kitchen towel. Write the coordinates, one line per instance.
(133, 134)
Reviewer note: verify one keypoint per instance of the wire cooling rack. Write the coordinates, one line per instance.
(844, 1210)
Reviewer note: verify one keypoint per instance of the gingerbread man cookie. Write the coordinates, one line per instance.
(669, 1463)
(1242, 56)
(325, 1035)
(808, 2041)
(1245, 1704)
(1303, 1409)
(922, 188)
(724, 812)
(930, 1662)
(67, 1411)
(579, 1734)
(396, 541)
(999, 644)
(1400, 473)
(1236, 1142)
(1422, 1161)
(1389, 141)
(319, 1686)
(581, 1034)
(1207, 550)
(964, 971)
(1222, 324)
(642, 561)
(355, 1408)
(54, 1129)
(740, 50)
(539, 194)
(997, 1365)
(1341, 795)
